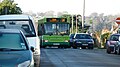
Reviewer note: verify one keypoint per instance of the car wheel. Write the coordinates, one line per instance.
(36, 60)
(90, 47)
(118, 50)
(108, 51)
(44, 46)
(74, 46)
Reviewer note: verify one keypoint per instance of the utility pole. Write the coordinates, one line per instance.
(83, 17)
(6, 10)
(76, 23)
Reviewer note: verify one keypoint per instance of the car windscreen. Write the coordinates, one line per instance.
(25, 25)
(114, 37)
(83, 36)
(12, 41)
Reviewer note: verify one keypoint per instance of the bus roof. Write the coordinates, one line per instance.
(15, 17)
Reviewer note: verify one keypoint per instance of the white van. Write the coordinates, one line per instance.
(24, 23)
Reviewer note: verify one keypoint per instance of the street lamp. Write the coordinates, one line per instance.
(6, 10)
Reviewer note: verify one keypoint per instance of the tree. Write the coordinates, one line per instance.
(49, 14)
(68, 16)
(9, 7)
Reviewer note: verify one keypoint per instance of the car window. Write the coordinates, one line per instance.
(24, 25)
(83, 36)
(114, 37)
(12, 41)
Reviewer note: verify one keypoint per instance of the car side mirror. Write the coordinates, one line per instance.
(73, 38)
(32, 49)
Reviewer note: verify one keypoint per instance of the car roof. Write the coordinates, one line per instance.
(116, 34)
(72, 34)
(15, 17)
(10, 31)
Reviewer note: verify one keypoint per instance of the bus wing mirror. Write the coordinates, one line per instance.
(39, 33)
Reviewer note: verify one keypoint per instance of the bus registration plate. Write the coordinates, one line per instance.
(56, 44)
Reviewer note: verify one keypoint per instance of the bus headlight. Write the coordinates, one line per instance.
(66, 41)
(24, 64)
(46, 40)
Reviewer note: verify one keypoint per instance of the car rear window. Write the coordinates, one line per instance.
(114, 37)
(12, 41)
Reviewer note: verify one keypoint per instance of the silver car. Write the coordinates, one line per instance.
(14, 49)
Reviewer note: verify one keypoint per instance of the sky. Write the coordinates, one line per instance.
(71, 6)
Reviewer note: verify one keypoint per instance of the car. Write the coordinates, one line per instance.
(83, 40)
(26, 24)
(14, 49)
(71, 38)
(111, 43)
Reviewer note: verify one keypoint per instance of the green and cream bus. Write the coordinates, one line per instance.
(54, 32)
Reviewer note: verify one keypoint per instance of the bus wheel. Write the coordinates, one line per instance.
(68, 46)
(65, 47)
(74, 47)
(44, 46)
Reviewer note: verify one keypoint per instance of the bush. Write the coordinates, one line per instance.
(104, 37)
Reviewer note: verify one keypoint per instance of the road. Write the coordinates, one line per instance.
(53, 57)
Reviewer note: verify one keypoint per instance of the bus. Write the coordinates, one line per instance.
(24, 23)
(54, 32)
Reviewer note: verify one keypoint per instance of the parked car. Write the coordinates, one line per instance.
(26, 24)
(71, 38)
(83, 40)
(14, 49)
(111, 43)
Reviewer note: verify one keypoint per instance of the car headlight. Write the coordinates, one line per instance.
(78, 42)
(91, 42)
(24, 64)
